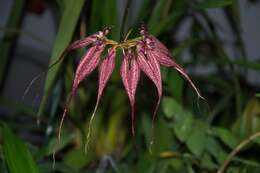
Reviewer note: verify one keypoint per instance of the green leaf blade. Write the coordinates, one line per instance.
(18, 157)
(65, 32)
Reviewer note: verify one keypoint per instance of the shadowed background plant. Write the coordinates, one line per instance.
(190, 135)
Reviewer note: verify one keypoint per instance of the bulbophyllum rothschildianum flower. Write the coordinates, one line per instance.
(150, 54)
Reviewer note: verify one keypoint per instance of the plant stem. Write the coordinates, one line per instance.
(124, 19)
(236, 150)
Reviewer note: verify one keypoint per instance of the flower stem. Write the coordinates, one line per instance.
(236, 150)
(124, 19)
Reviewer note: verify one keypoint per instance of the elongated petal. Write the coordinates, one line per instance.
(106, 69)
(88, 63)
(88, 40)
(151, 68)
(186, 76)
(163, 56)
(168, 61)
(130, 74)
(159, 45)
(105, 73)
(82, 43)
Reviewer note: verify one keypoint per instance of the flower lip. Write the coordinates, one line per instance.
(101, 34)
(146, 44)
(149, 42)
(98, 43)
(107, 30)
(143, 30)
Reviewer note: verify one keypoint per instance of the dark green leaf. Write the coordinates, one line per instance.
(171, 108)
(177, 164)
(161, 142)
(18, 157)
(109, 15)
(207, 162)
(78, 158)
(190, 169)
(14, 20)
(214, 148)
(166, 23)
(198, 138)
(104, 13)
(147, 163)
(156, 15)
(183, 129)
(143, 12)
(226, 136)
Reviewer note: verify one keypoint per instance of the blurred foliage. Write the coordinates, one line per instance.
(15, 18)
(190, 135)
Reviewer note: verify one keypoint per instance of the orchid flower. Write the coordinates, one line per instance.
(150, 54)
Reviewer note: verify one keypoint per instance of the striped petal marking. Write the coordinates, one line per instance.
(130, 73)
(149, 65)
